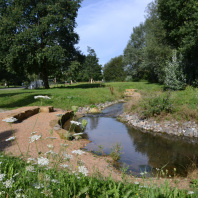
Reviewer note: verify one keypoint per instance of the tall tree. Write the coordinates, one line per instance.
(179, 19)
(92, 70)
(38, 36)
(133, 53)
(114, 70)
(156, 51)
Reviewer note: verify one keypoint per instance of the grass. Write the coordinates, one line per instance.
(72, 95)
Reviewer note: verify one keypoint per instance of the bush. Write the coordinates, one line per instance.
(174, 78)
(158, 104)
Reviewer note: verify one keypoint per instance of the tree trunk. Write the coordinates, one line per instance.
(45, 76)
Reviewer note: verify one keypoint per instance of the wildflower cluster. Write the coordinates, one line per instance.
(34, 138)
(75, 122)
(83, 170)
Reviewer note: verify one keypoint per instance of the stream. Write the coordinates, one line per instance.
(141, 152)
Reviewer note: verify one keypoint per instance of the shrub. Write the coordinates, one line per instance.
(174, 78)
(158, 104)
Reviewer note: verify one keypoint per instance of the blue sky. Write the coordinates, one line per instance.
(106, 25)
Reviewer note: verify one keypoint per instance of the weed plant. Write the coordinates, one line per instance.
(155, 105)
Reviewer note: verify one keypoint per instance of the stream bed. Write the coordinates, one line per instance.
(141, 152)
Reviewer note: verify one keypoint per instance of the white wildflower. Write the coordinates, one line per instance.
(33, 133)
(141, 173)
(10, 120)
(29, 168)
(83, 170)
(10, 138)
(18, 190)
(64, 165)
(1, 163)
(2, 192)
(78, 152)
(55, 181)
(47, 178)
(34, 138)
(190, 192)
(136, 182)
(43, 161)
(51, 152)
(8, 183)
(38, 186)
(31, 159)
(67, 156)
(75, 122)
(2, 176)
(50, 146)
(44, 97)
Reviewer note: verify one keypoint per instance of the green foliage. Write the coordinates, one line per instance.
(154, 106)
(179, 19)
(156, 51)
(174, 77)
(133, 53)
(116, 151)
(91, 68)
(114, 70)
(38, 37)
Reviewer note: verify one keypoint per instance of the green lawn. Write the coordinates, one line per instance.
(184, 104)
(66, 97)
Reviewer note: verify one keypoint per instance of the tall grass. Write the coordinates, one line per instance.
(21, 179)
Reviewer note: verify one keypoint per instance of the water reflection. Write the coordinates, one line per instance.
(141, 151)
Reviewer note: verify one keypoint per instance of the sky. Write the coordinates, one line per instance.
(106, 25)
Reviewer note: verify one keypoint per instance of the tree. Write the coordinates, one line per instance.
(114, 70)
(92, 70)
(38, 36)
(133, 53)
(156, 51)
(73, 71)
(179, 19)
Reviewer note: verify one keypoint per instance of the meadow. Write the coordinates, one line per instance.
(18, 178)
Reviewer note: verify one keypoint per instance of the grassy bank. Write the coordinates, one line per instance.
(21, 179)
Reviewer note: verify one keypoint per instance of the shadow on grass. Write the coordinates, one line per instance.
(13, 94)
(25, 101)
(81, 86)
(3, 136)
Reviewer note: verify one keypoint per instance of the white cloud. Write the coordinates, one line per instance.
(106, 25)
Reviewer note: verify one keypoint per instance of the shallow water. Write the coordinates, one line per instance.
(141, 151)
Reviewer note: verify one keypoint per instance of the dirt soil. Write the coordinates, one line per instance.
(40, 123)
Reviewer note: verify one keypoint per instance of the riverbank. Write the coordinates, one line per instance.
(187, 130)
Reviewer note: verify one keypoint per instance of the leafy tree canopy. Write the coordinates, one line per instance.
(179, 19)
(92, 70)
(38, 36)
(114, 70)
